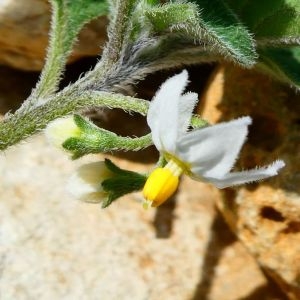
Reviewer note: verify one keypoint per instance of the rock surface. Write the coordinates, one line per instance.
(265, 216)
(53, 247)
(24, 27)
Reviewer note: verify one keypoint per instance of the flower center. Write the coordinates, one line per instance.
(161, 184)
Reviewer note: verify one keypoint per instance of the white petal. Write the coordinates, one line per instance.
(59, 130)
(169, 112)
(212, 151)
(185, 110)
(85, 184)
(236, 178)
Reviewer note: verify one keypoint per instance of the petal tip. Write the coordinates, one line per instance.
(185, 72)
(277, 165)
(183, 76)
(246, 120)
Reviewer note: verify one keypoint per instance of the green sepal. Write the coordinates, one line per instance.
(121, 183)
(83, 123)
(76, 146)
(91, 140)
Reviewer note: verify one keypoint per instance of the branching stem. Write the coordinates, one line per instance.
(21, 125)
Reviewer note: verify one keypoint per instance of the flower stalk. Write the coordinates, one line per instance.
(16, 127)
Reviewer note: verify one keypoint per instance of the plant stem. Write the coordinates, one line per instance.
(55, 60)
(132, 144)
(113, 51)
(21, 125)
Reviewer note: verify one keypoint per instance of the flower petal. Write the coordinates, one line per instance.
(185, 110)
(236, 178)
(212, 151)
(59, 130)
(169, 112)
(85, 184)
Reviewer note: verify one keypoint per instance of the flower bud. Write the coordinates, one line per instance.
(85, 184)
(59, 130)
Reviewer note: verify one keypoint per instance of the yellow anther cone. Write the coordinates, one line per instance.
(160, 185)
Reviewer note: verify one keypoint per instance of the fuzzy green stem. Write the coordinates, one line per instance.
(117, 34)
(56, 58)
(20, 125)
(133, 144)
(99, 143)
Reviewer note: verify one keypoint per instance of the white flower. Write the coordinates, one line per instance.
(85, 184)
(59, 130)
(206, 154)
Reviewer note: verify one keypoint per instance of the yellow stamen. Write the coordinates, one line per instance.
(161, 184)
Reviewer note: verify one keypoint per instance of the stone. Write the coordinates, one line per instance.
(24, 27)
(264, 216)
(57, 248)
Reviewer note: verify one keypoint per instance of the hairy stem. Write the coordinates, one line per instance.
(117, 34)
(23, 124)
(55, 62)
(133, 144)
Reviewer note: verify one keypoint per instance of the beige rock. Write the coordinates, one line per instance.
(265, 216)
(24, 26)
(57, 248)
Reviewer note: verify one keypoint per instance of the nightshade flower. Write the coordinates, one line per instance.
(206, 154)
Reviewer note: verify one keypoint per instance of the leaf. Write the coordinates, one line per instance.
(283, 63)
(225, 32)
(73, 14)
(210, 24)
(169, 16)
(275, 22)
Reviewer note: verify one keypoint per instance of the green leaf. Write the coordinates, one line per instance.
(225, 33)
(73, 14)
(275, 22)
(211, 29)
(282, 63)
(169, 16)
